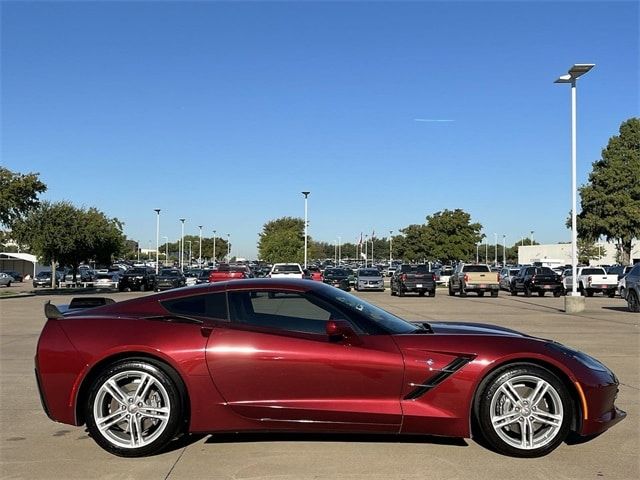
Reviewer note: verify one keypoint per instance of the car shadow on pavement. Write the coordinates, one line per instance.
(333, 437)
(616, 309)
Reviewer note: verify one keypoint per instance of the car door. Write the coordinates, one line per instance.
(275, 363)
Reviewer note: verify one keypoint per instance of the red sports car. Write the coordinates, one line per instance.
(294, 355)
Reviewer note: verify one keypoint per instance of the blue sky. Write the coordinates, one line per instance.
(223, 112)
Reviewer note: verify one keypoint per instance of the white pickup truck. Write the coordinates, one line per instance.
(592, 280)
(286, 270)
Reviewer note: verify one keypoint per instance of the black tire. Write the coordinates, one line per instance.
(541, 293)
(463, 292)
(633, 302)
(589, 292)
(611, 293)
(421, 293)
(165, 394)
(143, 287)
(432, 293)
(514, 292)
(557, 293)
(8, 284)
(492, 402)
(527, 291)
(451, 292)
(480, 293)
(400, 291)
(393, 293)
(494, 293)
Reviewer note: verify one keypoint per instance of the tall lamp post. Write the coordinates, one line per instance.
(574, 73)
(390, 247)
(182, 245)
(504, 250)
(306, 223)
(200, 248)
(214, 248)
(157, 210)
(339, 250)
(190, 253)
(228, 247)
(531, 238)
(495, 246)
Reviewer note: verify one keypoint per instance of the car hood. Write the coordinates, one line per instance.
(468, 328)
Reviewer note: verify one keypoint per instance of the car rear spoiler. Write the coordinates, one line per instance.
(51, 311)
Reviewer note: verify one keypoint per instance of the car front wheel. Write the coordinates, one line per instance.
(524, 411)
(633, 302)
(134, 409)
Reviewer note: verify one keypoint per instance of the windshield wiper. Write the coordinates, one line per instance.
(423, 327)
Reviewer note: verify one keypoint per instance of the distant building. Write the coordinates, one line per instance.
(562, 251)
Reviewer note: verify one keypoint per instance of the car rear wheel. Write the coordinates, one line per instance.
(589, 292)
(633, 302)
(432, 293)
(524, 411)
(451, 292)
(134, 409)
(527, 291)
(494, 293)
(557, 293)
(481, 294)
(541, 293)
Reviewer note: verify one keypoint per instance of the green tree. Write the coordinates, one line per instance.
(282, 240)
(587, 251)
(59, 233)
(410, 245)
(18, 194)
(611, 199)
(449, 235)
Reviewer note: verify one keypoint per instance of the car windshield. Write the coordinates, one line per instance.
(286, 268)
(369, 272)
(386, 320)
(593, 271)
(137, 271)
(475, 268)
(170, 273)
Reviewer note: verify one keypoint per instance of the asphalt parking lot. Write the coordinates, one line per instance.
(33, 447)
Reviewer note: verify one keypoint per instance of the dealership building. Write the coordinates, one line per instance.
(560, 253)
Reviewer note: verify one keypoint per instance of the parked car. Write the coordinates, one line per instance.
(592, 280)
(5, 279)
(619, 270)
(473, 278)
(17, 277)
(413, 279)
(505, 277)
(369, 279)
(109, 280)
(443, 275)
(538, 280)
(632, 289)
(338, 277)
(226, 272)
(286, 270)
(138, 278)
(313, 273)
(230, 357)
(170, 278)
(43, 279)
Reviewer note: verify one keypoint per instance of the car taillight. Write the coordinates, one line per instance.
(466, 277)
(589, 279)
(533, 279)
(433, 277)
(498, 277)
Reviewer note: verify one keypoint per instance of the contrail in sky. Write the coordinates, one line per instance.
(432, 120)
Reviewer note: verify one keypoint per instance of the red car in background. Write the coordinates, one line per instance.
(313, 273)
(295, 355)
(226, 272)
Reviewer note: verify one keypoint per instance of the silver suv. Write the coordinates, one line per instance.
(632, 289)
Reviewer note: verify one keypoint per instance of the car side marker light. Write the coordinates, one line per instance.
(585, 411)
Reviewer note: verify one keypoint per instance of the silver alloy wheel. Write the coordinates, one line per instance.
(131, 409)
(526, 412)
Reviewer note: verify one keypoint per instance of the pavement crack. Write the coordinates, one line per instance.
(175, 463)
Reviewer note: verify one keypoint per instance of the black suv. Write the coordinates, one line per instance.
(536, 279)
(138, 278)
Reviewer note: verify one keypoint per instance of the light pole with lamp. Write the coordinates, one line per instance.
(228, 247)
(366, 250)
(504, 250)
(495, 247)
(390, 247)
(531, 238)
(190, 252)
(157, 210)
(571, 303)
(200, 248)
(182, 246)
(477, 252)
(306, 222)
(339, 250)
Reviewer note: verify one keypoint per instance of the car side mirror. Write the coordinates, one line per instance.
(340, 330)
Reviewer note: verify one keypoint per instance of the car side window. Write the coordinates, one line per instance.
(280, 310)
(211, 305)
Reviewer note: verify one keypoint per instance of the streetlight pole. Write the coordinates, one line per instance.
(531, 238)
(574, 73)
(200, 249)
(504, 250)
(495, 246)
(228, 247)
(190, 252)
(182, 246)
(477, 252)
(366, 248)
(339, 250)
(390, 247)
(157, 210)
(306, 224)
(214, 248)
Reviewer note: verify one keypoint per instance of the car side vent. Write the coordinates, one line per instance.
(440, 377)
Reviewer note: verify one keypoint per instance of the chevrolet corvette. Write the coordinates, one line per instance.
(297, 355)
